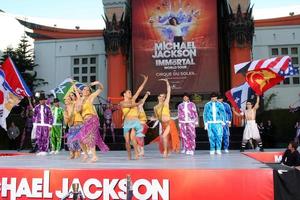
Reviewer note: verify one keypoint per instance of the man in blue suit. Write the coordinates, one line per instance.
(214, 120)
(228, 117)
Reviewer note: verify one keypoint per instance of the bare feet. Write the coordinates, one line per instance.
(94, 159)
(72, 155)
(77, 154)
(165, 155)
(85, 157)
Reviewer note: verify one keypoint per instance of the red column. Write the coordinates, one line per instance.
(238, 55)
(117, 82)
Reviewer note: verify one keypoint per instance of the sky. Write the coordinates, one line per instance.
(88, 14)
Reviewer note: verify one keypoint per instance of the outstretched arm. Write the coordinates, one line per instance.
(256, 106)
(98, 91)
(167, 100)
(135, 96)
(145, 97)
(128, 105)
(236, 113)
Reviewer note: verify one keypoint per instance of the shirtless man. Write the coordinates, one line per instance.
(251, 130)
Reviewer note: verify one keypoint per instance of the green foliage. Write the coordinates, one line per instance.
(283, 123)
(197, 98)
(268, 100)
(23, 58)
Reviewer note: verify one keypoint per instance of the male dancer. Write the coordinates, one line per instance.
(43, 119)
(214, 120)
(228, 117)
(188, 120)
(251, 130)
(58, 116)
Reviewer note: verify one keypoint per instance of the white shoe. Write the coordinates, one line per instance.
(191, 153)
(226, 151)
(212, 152)
(38, 154)
(187, 152)
(56, 152)
(43, 153)
(219, 152)
(52, 152)
(183, 151)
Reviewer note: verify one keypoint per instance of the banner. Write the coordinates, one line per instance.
(177, 40)
(265, 157)
(155, 184)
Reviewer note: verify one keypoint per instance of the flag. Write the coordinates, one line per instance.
(262, 79)
(289, 72)
(13, 80)
(276, 64)
(64, 88)
(7, 101)
(239, 95)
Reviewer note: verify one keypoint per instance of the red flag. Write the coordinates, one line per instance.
(263, 79)
(14, 80)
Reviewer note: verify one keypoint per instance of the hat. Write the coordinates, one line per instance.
(42, 97)
(55, 100)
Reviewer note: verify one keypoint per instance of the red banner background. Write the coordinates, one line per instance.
(233, 184)
(203, 76)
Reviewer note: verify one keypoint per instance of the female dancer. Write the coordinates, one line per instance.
(89, 135)
(132, 127)
(143, 120)
(74, 121)
(169, 129)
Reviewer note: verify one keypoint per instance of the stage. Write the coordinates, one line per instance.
(118, 160)
(203, 176)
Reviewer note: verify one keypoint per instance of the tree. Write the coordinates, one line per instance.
(23, 58)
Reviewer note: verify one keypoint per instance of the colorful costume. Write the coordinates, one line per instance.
(42, 119)
(143, 120)
(226, 132)
(89, 133)
(108, 122)
(75, 125)
(132, 123)
(214, 119)
(188, 119)
(174, 142)
(56, 131)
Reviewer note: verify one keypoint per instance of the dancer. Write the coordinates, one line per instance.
(108, 110)
(56, 130)
(74, 121)
(188, 120)
(251, 130)
(214, 120)
(169, 137)
(228, 118)
(28, 113)
(42, 118)
(143, 119)
(132, 127)
(89, 134)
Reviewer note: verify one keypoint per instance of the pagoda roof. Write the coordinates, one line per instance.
(42, 32)
(279, 21)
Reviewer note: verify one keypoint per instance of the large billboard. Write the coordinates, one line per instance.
(177, 40)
